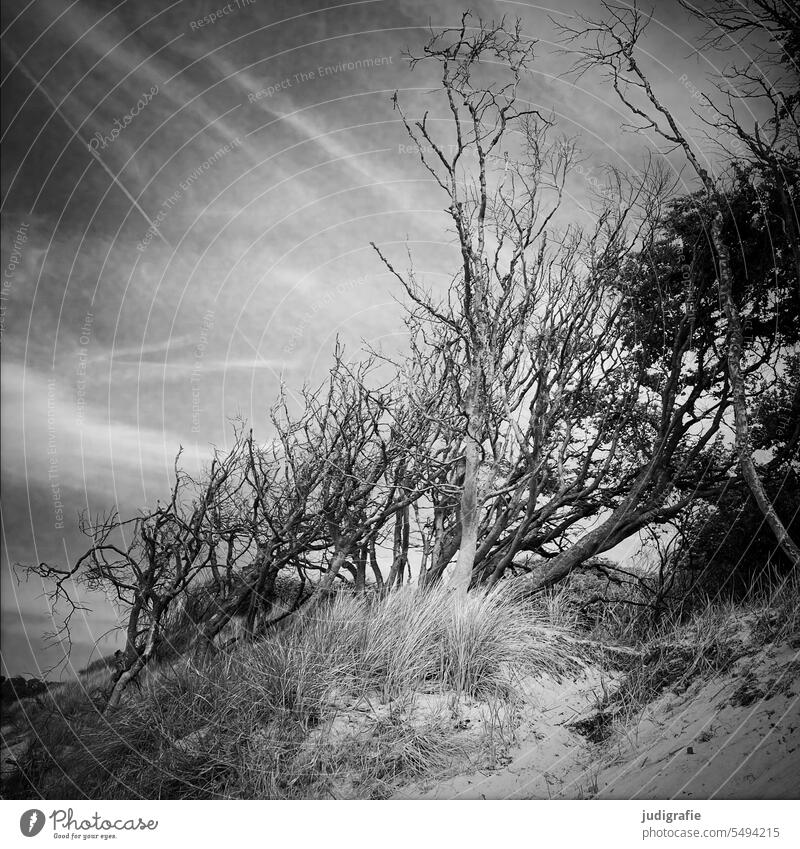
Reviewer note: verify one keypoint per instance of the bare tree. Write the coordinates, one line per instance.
(542, 382)
(482, 115)
(360, 441)
(149, 562)
(500, 211)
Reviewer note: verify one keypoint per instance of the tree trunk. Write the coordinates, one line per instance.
(401, 545)
(742, 429)
(630, 516)
(322, 589)
(594, 542)
(225, 612)
(373, 562)
(131, 673)
(264, 594)
(361, 569)
(470, 508)
(443, 550)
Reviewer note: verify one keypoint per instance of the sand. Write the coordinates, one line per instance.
(734, 736)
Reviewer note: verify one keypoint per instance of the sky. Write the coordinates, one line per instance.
(189, 193)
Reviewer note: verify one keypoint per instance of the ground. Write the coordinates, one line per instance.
(710, 709)
(732, 736)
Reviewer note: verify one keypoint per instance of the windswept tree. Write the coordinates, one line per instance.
(337, 473)
(612, 45)
(514, 299)
(149, 563)
(316, 497)
(496, 232)
(532, 338)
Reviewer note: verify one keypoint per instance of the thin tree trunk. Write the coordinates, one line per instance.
(401, 546)
(742, 427)
(441, 554)
(361, 569)
(373, 562)
(426, 549)
(470, 509)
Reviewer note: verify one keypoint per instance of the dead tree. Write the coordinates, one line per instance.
(538, 381)
(562, 402)
(500, 214)
(358, 442)
(150, 562)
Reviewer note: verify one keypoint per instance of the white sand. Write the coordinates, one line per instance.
(743, 730)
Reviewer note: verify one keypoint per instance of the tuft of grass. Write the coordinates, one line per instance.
(326, 707)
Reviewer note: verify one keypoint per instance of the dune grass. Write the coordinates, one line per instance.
(366, 694)
(685, 645)
(331, 706)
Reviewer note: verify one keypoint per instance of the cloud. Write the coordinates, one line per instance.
(271, 239)
(126, 354)
(93, 447)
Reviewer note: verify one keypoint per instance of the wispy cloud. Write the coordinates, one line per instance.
(262, 257)
(42, 421)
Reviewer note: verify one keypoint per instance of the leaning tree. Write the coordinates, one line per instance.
(612, 45)
(523, 341)
(150, 562)
(553, 444)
